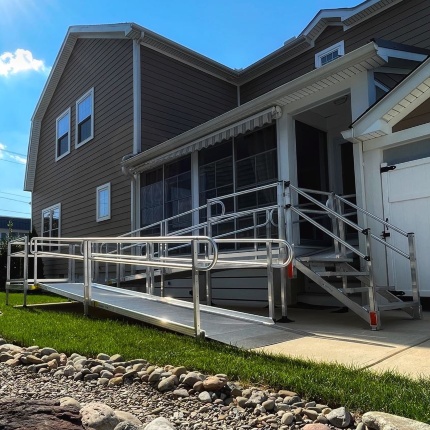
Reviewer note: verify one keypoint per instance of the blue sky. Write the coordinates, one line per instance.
(233, 32)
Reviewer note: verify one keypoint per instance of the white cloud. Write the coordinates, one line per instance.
(19, 159)
(20, 61)
(11, 156)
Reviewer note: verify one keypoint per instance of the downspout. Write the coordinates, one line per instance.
(137, 132)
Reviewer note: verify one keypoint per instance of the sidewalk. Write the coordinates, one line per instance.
(403, 344)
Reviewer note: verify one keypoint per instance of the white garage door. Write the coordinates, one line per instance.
(406, 194)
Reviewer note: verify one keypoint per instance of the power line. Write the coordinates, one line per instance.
(17, 212)
(11, 194)
(15, 200)
(14, 162)
(11, 152)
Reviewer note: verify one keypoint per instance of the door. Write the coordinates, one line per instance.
(312, 173)
(406, 198)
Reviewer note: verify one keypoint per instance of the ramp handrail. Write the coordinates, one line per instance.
(88, 256)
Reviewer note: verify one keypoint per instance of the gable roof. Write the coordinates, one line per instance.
(379, 120)
(345, 17)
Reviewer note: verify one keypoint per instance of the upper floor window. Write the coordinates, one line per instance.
(103, 202)
(63, 135)
(329, 54)
(85, 118)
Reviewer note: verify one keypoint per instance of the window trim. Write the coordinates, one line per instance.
(103, 187)
(66, 112)
(50, 209)
(339, 46)
(83, 97)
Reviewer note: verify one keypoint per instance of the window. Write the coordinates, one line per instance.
(63, 135)
(51, 222)
(103, 202)
(85, 118)
(328, 55)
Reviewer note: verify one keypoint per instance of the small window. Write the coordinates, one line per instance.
(103, 202)
(330, 54)
(51, 223)
(63, 135)
(85, 118)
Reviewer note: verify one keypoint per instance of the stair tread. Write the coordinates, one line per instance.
(331, 273)
(320, 259)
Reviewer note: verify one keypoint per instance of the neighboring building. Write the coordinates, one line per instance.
(132, 128)
(20, 226)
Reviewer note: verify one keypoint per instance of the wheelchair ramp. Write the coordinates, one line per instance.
(224, 325)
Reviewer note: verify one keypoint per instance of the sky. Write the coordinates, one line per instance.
(233, 32)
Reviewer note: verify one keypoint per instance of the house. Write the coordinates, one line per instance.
(132, 128)
(20, 226)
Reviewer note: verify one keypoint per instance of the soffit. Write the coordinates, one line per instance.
(396, 105)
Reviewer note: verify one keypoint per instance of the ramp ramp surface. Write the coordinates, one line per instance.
(224, 325)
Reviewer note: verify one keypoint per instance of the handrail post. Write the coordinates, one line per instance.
(414, 276)
(270, 291)
(69, 271)
(9, 261)
(25, 274)
(151, 268)
(282, 234)
(196, 286)
(342, 233)
(35, 262)
(87, 276)
(118, 267)
(334, 221)
(208, 276)
(374, 313)
(161, 255)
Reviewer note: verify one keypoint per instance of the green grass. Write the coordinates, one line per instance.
(360, 390)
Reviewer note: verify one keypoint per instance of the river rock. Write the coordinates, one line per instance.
(98, 416)
(20, 414)
(339, 417)
(160, 423)
(383, 421)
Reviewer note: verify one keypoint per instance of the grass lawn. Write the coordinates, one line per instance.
(360, 390)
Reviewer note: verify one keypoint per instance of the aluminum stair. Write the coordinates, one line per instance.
(328, 272)
(358, 290)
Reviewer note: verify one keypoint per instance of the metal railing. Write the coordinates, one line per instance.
(89, 255)
(334, 209)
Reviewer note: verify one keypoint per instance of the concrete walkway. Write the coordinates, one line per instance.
(403, 344)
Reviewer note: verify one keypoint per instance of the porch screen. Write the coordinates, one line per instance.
(166, 192)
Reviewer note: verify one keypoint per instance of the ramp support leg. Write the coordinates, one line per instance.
(196, 287)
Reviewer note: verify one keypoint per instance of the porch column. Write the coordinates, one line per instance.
(287, 165)
(363, 95)
(195, 188)
(287, 171)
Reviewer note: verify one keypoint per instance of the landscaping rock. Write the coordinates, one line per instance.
(24, 414)
(383, 421)
(98, 416)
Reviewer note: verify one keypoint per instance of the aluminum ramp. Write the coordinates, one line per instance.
(227, 326)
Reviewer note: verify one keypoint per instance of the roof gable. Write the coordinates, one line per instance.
(345, 17)
(403, 99)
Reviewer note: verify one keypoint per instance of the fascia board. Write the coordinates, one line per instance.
(260, 103)
(402, 90)
(386, 53)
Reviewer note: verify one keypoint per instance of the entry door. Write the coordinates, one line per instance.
(406, 196)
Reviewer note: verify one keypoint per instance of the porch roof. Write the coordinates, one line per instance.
(380, 119)
(367, 57)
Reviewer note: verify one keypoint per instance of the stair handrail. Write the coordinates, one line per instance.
(359, 229)
(381, 221)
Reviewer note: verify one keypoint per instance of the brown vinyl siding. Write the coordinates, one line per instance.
(177, 97)
(420, 116)
(290, 70)
(107, 66)
(407, 22)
